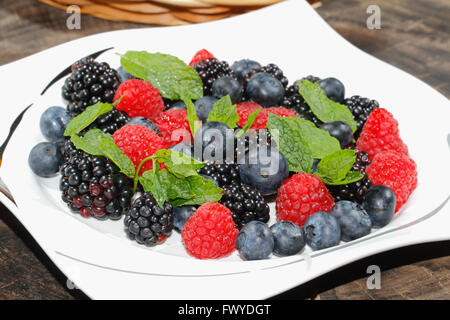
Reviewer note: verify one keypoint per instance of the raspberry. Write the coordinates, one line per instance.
(244, 109)
(200, 55)
(301, 196)
(138, 143)
(396, 171)
(380, 133)
(210, 232)
(174, 127)
(139, 99)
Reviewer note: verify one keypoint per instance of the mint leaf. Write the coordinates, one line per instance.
(290, 143)
(113, 153)
(251, 118)
(224, 111)
(191, 117)
(202, 190)
(178, 163)
(335, 166)
(89, 143)
(85, 118)
(324, 108)
(174, 79)
(352, 176)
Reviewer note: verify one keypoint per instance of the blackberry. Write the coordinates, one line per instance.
(242, 144)
(223, 173)
(146, 222)
(293, 100)
(245, 203)
(354, 191)
(210, 70)
(111, 121)
(89, 83)
(93, 186)
(360, 108)
(271, 69)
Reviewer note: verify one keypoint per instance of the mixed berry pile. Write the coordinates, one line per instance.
(203, 148)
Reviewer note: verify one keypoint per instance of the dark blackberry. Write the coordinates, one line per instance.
(293, 100)
(245, 203)
(89, 83)
(354, 191)
(211, 69)
(93, 186)
(242, 144)
(360, 108)
(146, 222)
(223, 173)
(271, 69)
(111, 121)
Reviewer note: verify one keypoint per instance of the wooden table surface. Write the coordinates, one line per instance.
(415, 36)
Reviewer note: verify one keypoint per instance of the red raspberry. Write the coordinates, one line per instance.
(139, 99)
(174, 127)
(380, 133)
(396, 171)
(210, 233)
(301, 196)
(138, 143)
(244, 109)
(201, 55)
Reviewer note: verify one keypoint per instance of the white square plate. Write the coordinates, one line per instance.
(96, 255)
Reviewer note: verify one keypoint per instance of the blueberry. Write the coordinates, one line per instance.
(315, 164)
(322, 231)
(340, 130)
(255, 241)
(242, 67)
(352, 218)
(53, 122)
(45, 159)
(216, 183)
(265, 90)
(211, 141)
(183, 147)
(178, 105)
(142, 121)
(124, 75)
(227, 86)
(264, 169)
(334, 89)
(203, 107)
(289, 238)
(181, 215)
(379, 203)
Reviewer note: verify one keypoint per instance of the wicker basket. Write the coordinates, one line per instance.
(164, 12)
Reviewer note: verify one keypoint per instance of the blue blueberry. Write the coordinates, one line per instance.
(242, 67)
(124, 75)
(45, 158)
(227, 86)
(255, 241)
(340, 130)
(352, 218)
(265, 90)
(53, 122)
(203, 107)
(264, 169)
(211, 140)
(322, 231)
(289, 238)
(379, 203)
(183, 147)
(334, 89)
(142, 121)
(181, 215)
(178, 105)
(315, 164)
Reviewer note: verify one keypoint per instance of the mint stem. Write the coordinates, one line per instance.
(136, 176)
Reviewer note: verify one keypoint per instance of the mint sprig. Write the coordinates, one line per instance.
(224, 111)
(88, 116)
(325, 109)
(335, 166)
(192, 119)
(174, 79)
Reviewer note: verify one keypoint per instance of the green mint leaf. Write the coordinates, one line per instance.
(290, 143)
(324, 108)
(85, 118)
(89, 143)
(178, 163)
(352, 176)
(202, 190)
(113, 153)
(174, 79)
(191, 117)
(335, 166)
(224, 111)
(251, 118)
